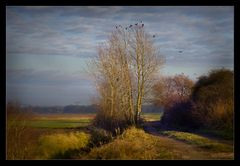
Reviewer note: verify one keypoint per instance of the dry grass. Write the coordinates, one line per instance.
(64, 116)
(136, 144)
(55, 145)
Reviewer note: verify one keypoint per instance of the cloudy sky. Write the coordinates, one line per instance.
(48, 48)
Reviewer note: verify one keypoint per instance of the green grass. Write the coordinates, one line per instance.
(152, 116)
(199, 141)
(59, 123)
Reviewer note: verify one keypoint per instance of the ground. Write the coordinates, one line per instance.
(196, 146)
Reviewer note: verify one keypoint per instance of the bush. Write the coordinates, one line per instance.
(180, 116)
(217, 85)
(99, 137)
(114, 124)
(213, 98)
(210, 105)
(59, 145)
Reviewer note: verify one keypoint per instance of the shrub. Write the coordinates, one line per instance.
(99, 136)
(58, 145)
(110, 123)
(180, 116)
(210, 105)
(213, 98)
(218, 84)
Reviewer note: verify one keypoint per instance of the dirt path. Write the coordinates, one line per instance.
(187, 151)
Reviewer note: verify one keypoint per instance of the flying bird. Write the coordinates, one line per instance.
(180, 51)
(130, 26)
(142, 25)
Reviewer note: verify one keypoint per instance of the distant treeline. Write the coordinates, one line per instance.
(81, 109)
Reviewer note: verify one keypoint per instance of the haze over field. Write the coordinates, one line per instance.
(48, 48)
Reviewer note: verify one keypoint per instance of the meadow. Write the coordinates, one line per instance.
(71, 136)
(61, 121)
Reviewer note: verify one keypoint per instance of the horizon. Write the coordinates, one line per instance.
(48, 48)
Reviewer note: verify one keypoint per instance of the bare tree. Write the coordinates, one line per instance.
(124, 67)
(146, 61)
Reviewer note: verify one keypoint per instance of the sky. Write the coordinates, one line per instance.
(48, 48)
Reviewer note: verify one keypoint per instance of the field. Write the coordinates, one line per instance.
(66, 136)
(73, 121)
(61, 121)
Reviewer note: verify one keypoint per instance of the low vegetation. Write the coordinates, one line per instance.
(19, 135)
(135, 143)
(205, 105)
(62, 145)
(132, 144)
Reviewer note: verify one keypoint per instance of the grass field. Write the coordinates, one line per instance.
(61, 121)
(65, 121)
(152, 116)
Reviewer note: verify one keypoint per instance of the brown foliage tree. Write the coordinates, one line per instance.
(170, 90)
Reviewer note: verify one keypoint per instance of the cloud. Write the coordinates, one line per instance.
(46, 45)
